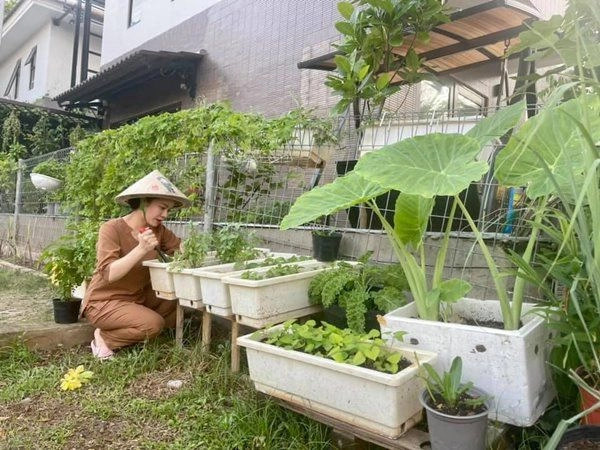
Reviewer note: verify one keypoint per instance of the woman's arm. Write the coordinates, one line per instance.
(119, 268)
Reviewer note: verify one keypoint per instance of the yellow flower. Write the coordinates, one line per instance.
(75, 378)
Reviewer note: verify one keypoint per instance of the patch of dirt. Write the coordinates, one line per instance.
(153, 386)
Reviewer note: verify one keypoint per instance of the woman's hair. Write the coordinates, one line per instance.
(134, 203)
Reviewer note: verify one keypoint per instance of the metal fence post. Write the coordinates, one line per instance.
(18, 199)
(209, 203)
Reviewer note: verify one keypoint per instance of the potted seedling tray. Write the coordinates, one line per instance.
(378, 402)
(261, 302)
(215, 292)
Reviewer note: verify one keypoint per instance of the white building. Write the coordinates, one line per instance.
(42, 52)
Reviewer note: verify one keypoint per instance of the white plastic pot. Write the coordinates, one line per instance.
(44, 182)
(511, 366)
(373, 401)
(160, 279)
(258, 303)
(187, 285)
(215, 292)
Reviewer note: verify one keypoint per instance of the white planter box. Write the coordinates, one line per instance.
(215, 292)
(161, 279)
(258, 303)
(374, 401)
(187, 285)
(511, 366)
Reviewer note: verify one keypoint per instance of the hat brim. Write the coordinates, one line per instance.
(179, 201)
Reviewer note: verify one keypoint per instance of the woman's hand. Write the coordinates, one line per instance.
(146, 239)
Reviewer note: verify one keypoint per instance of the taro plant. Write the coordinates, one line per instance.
(420, 168)
(344, 346)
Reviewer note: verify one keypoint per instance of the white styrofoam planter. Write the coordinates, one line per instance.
(187, 285)
(391, 131)
(258, 303)
(160, 279)
(44, 182)
(374, 401)
(509, 365)
(215, 292)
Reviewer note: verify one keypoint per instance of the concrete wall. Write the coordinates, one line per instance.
(153, 17)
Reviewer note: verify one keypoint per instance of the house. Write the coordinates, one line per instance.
(245, 51)
(46, 46)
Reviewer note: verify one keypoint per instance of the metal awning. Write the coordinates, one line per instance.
(135, 69)
(473, 36)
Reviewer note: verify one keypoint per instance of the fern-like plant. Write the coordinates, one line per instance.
(360, 288)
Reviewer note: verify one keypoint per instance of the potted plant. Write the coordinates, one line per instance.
(216, 293)
(353, 295)
(326, 244)
(269, 295)
(457, 413)
(422, 168)
(48, 175)
(362, 380)
(69, 262)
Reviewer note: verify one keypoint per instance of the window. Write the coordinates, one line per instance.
(31, 61)
(13, 83)
(450, 96)
(135, 12)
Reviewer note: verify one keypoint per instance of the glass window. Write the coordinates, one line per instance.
(450, 96)
(13, 83)
(31, 61)
(135, 12)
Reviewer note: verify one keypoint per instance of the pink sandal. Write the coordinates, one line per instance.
(99, 348)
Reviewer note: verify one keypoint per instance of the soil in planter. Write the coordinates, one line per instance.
(461, 409)
(582, 444)
(486, 323)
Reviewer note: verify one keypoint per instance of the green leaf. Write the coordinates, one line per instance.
(344, 192)
(550, 141)
(359, 358)
(411, 218)
(345, 28)
(430, 165)
(453, 290)
(498, 124)
(345, 9)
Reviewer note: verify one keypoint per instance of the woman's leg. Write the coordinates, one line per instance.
(124, 323)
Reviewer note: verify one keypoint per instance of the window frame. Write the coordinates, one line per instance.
(31, 60)
(14, 80)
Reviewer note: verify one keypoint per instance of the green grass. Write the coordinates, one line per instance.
(128, 405)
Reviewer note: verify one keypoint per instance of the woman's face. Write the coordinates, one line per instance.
(157, 210)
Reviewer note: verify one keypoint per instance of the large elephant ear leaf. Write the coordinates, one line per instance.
(430, 165)
(411, 218)
(498, 124)
(344, 192)
(546, 153)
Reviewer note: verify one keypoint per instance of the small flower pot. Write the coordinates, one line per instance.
(326, 246)
(587, 401)
(66, 311)
(44, 182)
(584, 437)
(448, 432)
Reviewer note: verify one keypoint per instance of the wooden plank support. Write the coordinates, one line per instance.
(413, 439)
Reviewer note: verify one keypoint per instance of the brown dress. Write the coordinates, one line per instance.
(126, 310)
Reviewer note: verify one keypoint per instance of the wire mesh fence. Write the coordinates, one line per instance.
(259, 190)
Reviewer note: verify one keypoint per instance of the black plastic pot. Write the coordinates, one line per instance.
(585, 436)
(66, 311)
(326, 246)
(336, 315)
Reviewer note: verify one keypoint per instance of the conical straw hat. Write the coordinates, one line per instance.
(153, 185)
